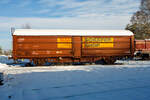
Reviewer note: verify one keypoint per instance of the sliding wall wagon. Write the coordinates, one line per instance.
(41, 46)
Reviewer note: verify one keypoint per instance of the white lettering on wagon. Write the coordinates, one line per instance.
(58, 52)
(20, 39)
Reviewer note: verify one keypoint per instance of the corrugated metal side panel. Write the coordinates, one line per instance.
(148, 44)
(70, 46)
(43, 46)
(140, 44)
(106, 46)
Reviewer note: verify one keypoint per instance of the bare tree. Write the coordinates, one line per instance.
(140, 21)
(7, 52)
(26, 26)
(1, 51)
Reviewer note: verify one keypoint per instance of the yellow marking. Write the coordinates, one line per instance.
(106, 45)
(83, 45)
(91, 39)
(63, 45)
(83, 39)
(66, 39)
(97, 45)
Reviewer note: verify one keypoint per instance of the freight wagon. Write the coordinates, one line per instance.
(72, 46)
(142, 49)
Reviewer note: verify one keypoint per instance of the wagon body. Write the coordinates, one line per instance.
(76, 47)
(142, 48)
(143, 45)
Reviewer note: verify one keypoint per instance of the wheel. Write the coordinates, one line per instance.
(39, 62)
(145, 56)
(100, 61)
(28, 64)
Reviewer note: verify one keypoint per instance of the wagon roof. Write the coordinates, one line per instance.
(44, 32)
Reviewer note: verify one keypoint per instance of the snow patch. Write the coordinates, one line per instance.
(4, 59)
(43, 32)
(128, 81)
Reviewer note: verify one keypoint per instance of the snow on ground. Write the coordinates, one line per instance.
(4, 59)
(127, 80)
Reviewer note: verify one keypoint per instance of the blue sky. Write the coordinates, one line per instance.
(64, 14)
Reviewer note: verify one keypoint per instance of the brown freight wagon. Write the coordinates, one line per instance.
(64, 46)
(142, 48)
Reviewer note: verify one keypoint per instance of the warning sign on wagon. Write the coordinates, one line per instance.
(65, 39)
(96, 42)
(64, 45)
(95, 39)
(64, 42)
(97, 45)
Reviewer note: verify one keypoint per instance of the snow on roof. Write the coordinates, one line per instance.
(43, 32)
